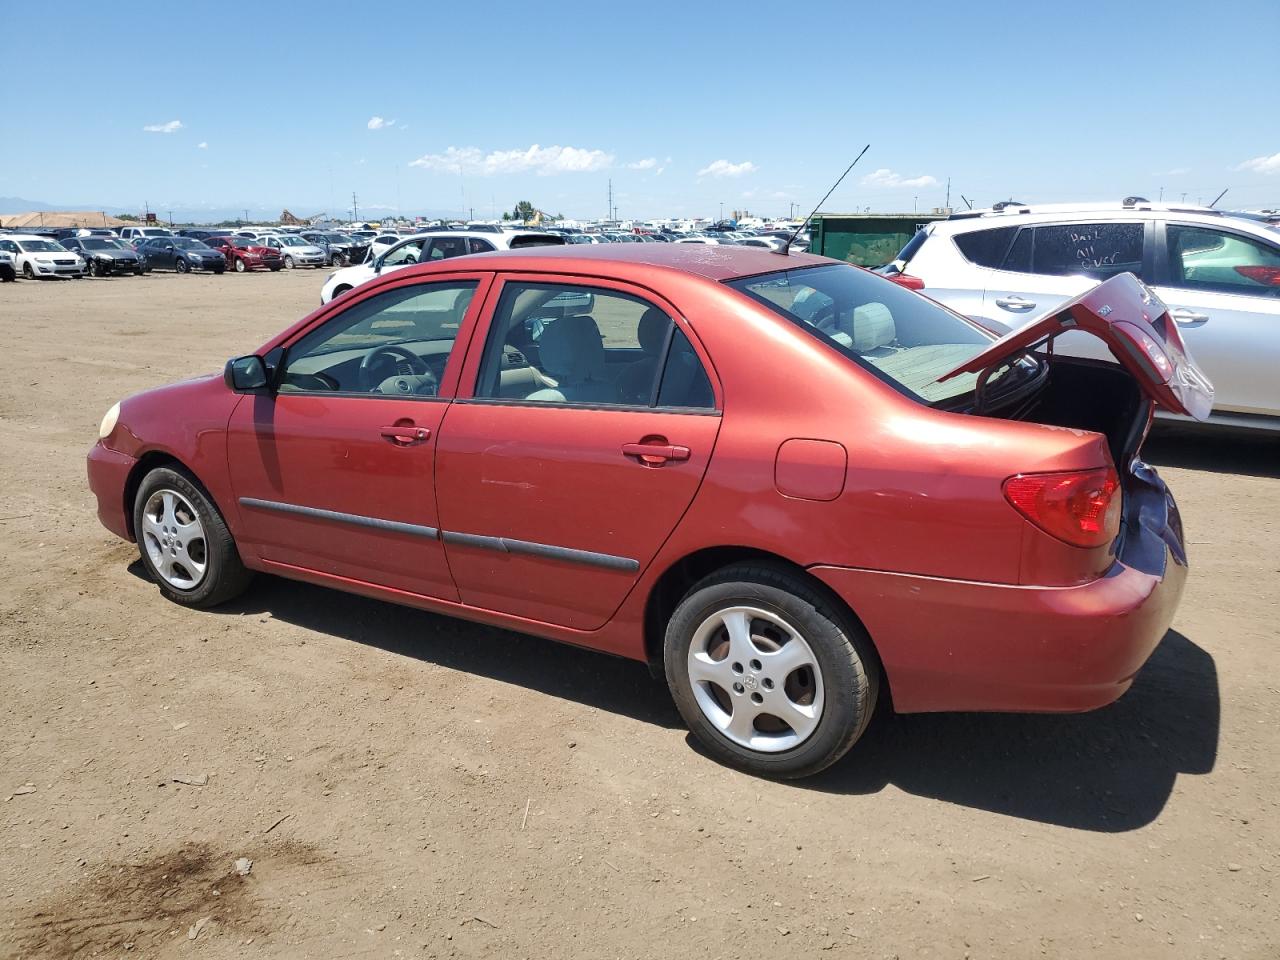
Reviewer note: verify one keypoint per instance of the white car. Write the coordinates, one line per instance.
(426, 247)
(39, 258)
(295, 251)
(132, 235)
(1219, 275)
(8, 255)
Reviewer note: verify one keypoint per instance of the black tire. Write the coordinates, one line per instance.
(93, 268)
(181, 266)
(337, 260)
(844, 653)
(340, 291)
(240, 267)
(225, 575)
(275, 269)
(137, 271)
(219, 271)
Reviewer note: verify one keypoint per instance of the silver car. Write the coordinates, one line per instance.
(295, 251)
(1218, 274)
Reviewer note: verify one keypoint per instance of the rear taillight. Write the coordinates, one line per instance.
(906, 280)
(1079, 507)
(1267, 276)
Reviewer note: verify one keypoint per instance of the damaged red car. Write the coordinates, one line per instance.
(243, 254)
(789, 486)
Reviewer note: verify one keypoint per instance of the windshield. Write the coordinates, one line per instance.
(294, 241)
(155, 232)
(41, 246)
(900, 336)
(97, 243)
(336, 238)
(186, 243)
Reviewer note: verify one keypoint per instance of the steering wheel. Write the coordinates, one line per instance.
(370, 361)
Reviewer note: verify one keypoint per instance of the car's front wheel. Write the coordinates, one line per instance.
(28, 272)
(184, 542)
(288, 262)
(770, 674)
(181, 266)
(240, 267)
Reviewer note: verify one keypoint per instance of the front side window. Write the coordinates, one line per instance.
(898, 335)
(566, 343)
(397, 343)
(1205, 259)
(1097, 250)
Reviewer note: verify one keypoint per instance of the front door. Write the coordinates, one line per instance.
(1222, 288)
(588, 428)
(333, 470)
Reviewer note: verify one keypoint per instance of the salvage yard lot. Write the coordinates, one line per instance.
(409, 785)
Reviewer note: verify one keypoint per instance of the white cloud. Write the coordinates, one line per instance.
(884, 177)
(377, 123)
(173, 126)
(723, 168)
(648, 163)
(1269, 164)
(202, 145)
(544, 161)
(1175, 172)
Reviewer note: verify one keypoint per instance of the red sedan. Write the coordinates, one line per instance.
(243, 254)
(789, 485)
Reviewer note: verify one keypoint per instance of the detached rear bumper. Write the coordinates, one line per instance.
(108, 474)
(960, 645)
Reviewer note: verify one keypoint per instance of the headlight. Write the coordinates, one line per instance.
(109, 422)
(44, 260)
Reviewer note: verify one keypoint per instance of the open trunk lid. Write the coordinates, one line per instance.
(1135, 325)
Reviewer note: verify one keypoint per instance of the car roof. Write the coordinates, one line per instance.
(714, 262)
(1069, 213)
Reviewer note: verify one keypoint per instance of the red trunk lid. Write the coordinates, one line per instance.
(1136, 326)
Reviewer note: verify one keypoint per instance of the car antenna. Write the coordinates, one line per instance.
(792, 239)
(1218, 197)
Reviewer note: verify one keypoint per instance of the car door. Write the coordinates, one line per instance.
(1222, 287)
(332, 469)
(580, 436)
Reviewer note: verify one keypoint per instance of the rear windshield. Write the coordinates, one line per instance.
(897, 334)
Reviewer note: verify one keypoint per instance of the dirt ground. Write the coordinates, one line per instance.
(411, 786)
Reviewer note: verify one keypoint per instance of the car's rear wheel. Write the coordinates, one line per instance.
(240, 267)
(181, 265)
(771, 675)
(184, 542)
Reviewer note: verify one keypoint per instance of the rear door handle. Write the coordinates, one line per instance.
(405, 435)
(656, 453)
(1187, 318)
(1015, 303)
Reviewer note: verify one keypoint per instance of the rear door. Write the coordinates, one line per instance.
(581, 434)
(1223, 290)
(1048, 264)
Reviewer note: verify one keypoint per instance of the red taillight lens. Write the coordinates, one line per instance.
(1267, 276)
(906, 280)
(1079, 507)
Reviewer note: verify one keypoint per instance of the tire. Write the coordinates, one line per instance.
(339, 292)
(93, 268)
(275, 269)
(137, 271)
(181, 266)
(337, 260)
(28, 272)
(219, 271)
(288, 262)
(827, 687)
(240, 267)
(223, 575)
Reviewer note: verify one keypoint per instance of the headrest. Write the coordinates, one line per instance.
(652, 331)
(872, 327)
(571, 349)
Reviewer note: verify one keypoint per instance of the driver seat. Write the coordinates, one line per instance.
(573, 353)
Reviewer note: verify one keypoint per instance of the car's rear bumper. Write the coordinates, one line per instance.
(960, 645)
(108, 473)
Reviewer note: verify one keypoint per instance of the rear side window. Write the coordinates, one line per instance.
(480, 246)
(986, 248)
(1206, 259)
(536, 240)
(913, 247)
(1098, 250)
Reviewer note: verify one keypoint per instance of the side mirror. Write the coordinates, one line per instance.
(245, 374)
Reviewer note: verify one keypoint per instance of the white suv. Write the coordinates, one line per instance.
(1218, 274)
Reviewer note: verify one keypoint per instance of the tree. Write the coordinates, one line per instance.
(524, 211)
(127, 216)
(505, 215)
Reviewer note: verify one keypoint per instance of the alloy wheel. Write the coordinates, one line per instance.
(174, 539)
(756, 679)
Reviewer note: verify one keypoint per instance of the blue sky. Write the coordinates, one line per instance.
(440, 108)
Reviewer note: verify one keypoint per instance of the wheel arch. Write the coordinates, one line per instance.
(674, 582)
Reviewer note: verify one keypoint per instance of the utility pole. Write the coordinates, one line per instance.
(915, 203)
(721, 210)
(948, 193)
(246, 216)
(608, 214)
(355, 209)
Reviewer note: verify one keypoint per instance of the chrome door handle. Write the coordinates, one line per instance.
(1187, 318)
(406, 435)
(1020, 304)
